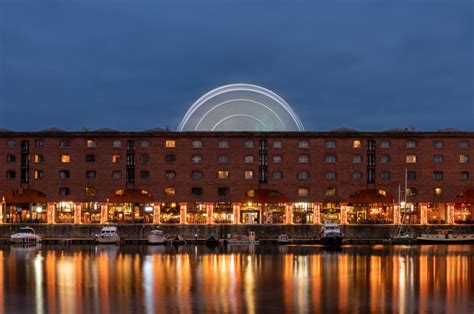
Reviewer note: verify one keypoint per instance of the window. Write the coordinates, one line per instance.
(437, 175)
(356, 144)
(90, 158)
(170, 191)
(277, 175)
(248, 144)
(330, 175)
(196, 159)
(144, 158)
(170, 158)
(356, 159)
(64, 174)
(303, 144)
(411, 175)
(11, 174)
(276, 144)
(130, 145)
(196, 191)
(221, 174)
(438, 159)
(248, 159)
(39, 143)
(222, 191)
(144, 144)
(303, 192)
(277, 159)
(410, 159)
(223, 159)
(385, 175)
(223, 144)
(412, 191)
(64, 191)
(303, 175)
(384, 144)
(90, 143)
(330, 192)
(464, 176)
(463, 144)
(11, 158)
(356, 175)
(115, 159)
(170, 174)
(89, 191)
(437, 191)
(463, 159)
(331, 144)
(38, 174)
(437, 144)
(91, 174)
(385, 159)
(117, 144)
(248, 174)
(303, 159)
(116, 174)
(410, 144)
(330, 159)
(64, 143)
(11, 143)
(196, 175)
(196, 144)
(170, 143)
(144, 174)
(65, 159)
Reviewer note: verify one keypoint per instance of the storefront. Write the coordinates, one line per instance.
(223, 213)
(170, 213)
(437, 213)
(91, 213)
(130, 206)
(370, 206)
(464, 208)
(196, 213)
(331, 212)
(303, 213)
(64, 212)
(24, 206)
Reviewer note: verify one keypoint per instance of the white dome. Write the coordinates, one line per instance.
(240, 107)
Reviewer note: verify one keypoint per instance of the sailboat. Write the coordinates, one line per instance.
(402, 236)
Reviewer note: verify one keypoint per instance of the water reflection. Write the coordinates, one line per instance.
(151, 279)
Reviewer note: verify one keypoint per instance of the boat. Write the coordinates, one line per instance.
(25, 235)
(331, 234)
(243, 239)
(445, 236)
(177, 240)
(156, 236)
(283, 239)
(402, 236)
(108, 235)
(212, 239)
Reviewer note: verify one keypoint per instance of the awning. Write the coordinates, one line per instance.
(370, 196)
(21, 195)
(264, 196)
(130, 196)
(465, 197)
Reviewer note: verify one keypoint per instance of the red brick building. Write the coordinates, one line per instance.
(236, 177)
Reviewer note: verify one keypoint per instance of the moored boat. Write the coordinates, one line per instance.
(243, 239)
(445, 237)
(283, 239)
(177, 240)
(25, 235)
(331, 234)
(108, 235)
(212, 239)
(402, 239)
(156, 236)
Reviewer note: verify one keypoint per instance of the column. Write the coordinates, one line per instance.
(450, 213)
(343, 213)
(289, 213)
(317, 213)
(210, 213)
(103, 213)
(156, 214)
(2, 211)
(396, 214)
(423, 214)
(50, 213)
(182, 213)
(236, 208)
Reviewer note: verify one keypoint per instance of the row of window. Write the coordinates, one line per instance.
(248, 144)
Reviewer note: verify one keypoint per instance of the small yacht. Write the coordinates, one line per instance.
(331, 234)
(108, 235)
(156, 236)
(243, 239)
(212, 239)
(25, 235)
(445, 237)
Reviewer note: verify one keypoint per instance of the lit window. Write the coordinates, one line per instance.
(90, 143)
(303, 159)
(330, 192)
(144, 158)
(330, 159)
(276, 144)
(170, 174)
(410, 144)
(463, 144)
(223, 144)
(11, 174)
(223, 159)
(196, 191)
(38, 174)
(385, 144)
(144, 144)
(64, 191)
(303, 192)
(11, 158)
(464, 175)
(356, 175)
(330, 175)
(170, 143)
(65, 159)
(437, 191)
(196, 144)
(115, 159)
(303, 175)
(221, 174)
(438, 159)
(116, 144)
(90, 191)
(411, 175)
(277, 175)
(223, 191)
(144, 174)
(303, 144)
(90, 174)
(248, 159)
(196, 175)
(437, 144)
(356, 144)
(463, 159)
(248, 144)
(331, 144)
(170, 158)
(438, 175)
(385, 175)
(170, 191)
(39, 143)
(11, 143)
(196, 159)
(276, 159)
(249, 174)
(64, 174)
(356, 159)
(116, 174)
(64, 143)
(385, 159)
(410, 159)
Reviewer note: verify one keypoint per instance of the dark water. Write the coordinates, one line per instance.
(241, 279)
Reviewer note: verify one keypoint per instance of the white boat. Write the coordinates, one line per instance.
(25, 235)
(243, 239)
(108, 235)
(284, 239)
(156, 236)
(331, 234)
(445, 237)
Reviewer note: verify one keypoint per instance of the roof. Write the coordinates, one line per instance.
(53, 130)
(344, 130)
(105, 130)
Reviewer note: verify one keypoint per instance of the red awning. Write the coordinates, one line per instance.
(465, 197)
(264, 196)
(370, 196)
(25, 196)
(130, 196)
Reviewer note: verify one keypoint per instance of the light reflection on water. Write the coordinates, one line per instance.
(151, 279)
